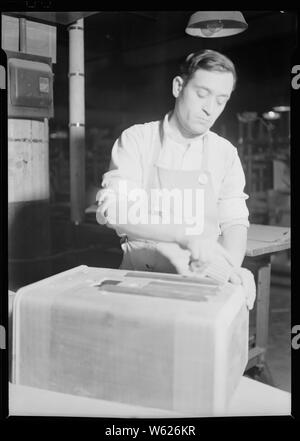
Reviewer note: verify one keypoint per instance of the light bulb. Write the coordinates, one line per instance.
(212, 28)
(271, 115)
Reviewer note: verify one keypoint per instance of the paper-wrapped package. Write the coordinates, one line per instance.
(158, 340)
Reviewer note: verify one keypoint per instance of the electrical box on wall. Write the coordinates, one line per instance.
(30, 86)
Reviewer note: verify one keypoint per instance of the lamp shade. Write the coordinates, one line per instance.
(212, 24)
(271, 115)
(282, 108)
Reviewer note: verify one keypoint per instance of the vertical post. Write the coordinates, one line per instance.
(22, 35)
(289, 126)
(77, 120)
(263, 301)
(249, 156)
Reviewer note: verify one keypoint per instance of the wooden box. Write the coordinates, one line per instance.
(10, 33)
(150, 339)
(41, 39)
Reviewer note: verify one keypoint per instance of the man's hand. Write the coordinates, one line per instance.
(177, 256)
(207, 257)
(204, 250)
(106, 199)
(195, 254)
(244, 277)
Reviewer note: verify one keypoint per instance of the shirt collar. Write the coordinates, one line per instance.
(169, 133)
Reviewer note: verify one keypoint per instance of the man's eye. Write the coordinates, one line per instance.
(202, 94)
(221, 101)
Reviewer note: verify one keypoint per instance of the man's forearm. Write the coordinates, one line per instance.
(151, 228)
(234, 240)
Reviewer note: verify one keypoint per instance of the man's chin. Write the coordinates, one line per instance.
(199, 129)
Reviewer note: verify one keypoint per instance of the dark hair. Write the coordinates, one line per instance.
(207, 60)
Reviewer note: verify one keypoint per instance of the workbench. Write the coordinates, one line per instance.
(251, 398)
(263, 241)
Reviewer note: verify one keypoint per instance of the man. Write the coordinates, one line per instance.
(182, 152)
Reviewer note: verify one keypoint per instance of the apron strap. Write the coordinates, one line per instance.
(158, 140)
(204, 162)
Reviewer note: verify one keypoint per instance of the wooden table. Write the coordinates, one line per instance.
(263, 241)
(251, 398)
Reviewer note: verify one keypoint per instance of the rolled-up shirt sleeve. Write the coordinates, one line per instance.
(124, 174)
(232, 205)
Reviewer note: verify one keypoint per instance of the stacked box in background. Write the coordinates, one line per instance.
(10, 33)
(40, 37)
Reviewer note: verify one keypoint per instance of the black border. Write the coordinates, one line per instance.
(204, 426)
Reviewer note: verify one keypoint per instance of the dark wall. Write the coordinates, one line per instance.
(128, 76)
(130, 62)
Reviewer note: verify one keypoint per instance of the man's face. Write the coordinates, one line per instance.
(201, 100)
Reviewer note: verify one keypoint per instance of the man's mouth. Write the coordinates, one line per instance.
(203, 120)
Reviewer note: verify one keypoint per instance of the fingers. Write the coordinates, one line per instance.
(99, 194)
(104, 206)
(249, 285)
(208, 250)
(177, 256)
(235, 279)
(193, 247)
(101, 214)
(104, 193)
(197, 268)
(201, 250)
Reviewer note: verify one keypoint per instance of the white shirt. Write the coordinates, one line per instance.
(131, 156)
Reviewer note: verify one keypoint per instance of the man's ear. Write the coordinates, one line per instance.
(177, 86)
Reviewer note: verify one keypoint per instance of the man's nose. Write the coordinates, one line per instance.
(208, 106)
